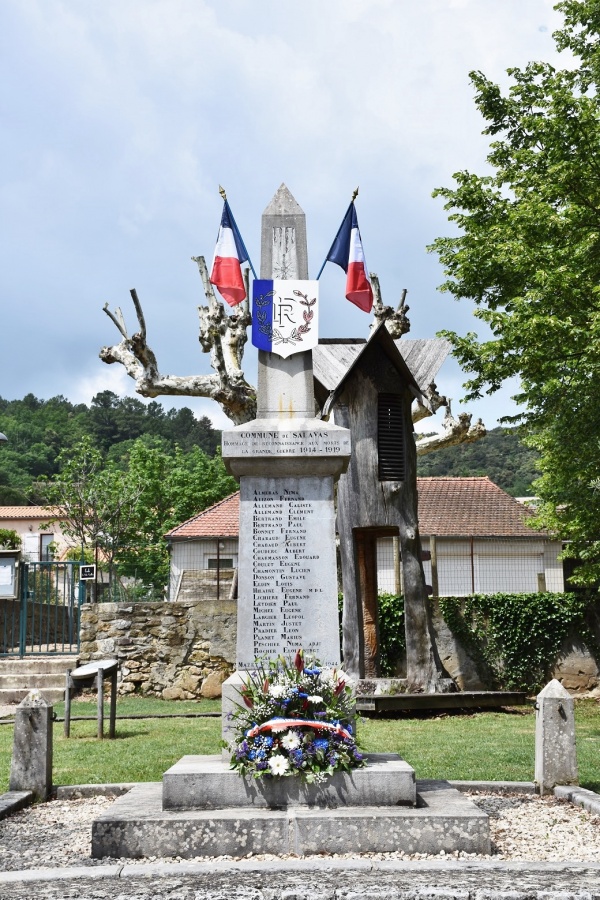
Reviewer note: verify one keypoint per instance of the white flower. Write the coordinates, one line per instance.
(277, 690)
(314, 698)
(278, 764)
(290, 741)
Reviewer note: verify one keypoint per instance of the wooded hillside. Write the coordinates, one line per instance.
(500, 455)
(38, 430)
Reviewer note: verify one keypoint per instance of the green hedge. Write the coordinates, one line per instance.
(513, 639)
(516, 639)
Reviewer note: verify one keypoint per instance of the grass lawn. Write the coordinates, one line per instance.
(488, 746)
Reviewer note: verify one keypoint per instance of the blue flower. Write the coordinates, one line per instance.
(296, 757)
(312, 671)
(321, 744)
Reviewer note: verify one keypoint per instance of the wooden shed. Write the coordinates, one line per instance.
(369, 388)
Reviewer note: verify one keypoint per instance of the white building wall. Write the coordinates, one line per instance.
(495, 566)
(199, 556)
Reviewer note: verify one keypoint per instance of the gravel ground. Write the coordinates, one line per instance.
(523, 827)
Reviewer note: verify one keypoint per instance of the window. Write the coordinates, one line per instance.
(390, 438)
(221, 563)
(46, 547)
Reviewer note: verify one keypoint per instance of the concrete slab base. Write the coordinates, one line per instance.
(206, 782)
(137, 826)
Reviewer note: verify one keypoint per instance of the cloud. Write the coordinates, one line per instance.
(123, 118)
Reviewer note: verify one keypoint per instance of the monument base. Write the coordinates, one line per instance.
(206, 782)
(137, 825)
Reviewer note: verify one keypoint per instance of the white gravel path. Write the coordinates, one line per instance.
(523, 827)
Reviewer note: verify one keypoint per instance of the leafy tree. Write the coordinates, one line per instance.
(124, 507)
(528, 256)
(9, 539)
(173, 486)
(93, 502)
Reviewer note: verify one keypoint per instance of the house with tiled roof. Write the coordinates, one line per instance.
(41, 538)
(476, 540)
(474, 535)
(204, 552)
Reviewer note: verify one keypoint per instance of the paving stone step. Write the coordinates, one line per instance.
(137, 826)
(32, 680)
(38, 664)
(10, 696)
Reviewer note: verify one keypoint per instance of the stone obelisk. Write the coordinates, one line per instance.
(286, 461)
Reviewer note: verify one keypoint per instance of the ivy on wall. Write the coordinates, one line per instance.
(515, 639)
(392, 639)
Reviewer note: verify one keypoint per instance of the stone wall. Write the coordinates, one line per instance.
(177, 651)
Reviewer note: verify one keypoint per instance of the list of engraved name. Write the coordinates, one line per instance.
(287, 540)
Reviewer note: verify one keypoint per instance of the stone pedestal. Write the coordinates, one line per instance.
(136, 825)
(555, 749)
(205, 782)
(31, 764)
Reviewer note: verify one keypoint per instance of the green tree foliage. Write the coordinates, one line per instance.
(528, 256)
(171, 487)
(125, 509)
(9, 539)
(39, 430)
(501, 455)
(93, 501)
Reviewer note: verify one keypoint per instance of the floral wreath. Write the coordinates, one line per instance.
(297, 720)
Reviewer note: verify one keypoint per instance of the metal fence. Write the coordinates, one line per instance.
(44, 617)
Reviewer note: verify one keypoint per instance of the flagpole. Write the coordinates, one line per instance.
(224, 196)
(354, 196)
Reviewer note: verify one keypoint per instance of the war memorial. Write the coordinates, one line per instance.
(287, 462)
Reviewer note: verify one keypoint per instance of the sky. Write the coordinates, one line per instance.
(121, 118)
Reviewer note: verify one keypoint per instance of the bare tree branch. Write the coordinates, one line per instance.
(221, 335)
(454, 431)
(396, 320)
(436, 401)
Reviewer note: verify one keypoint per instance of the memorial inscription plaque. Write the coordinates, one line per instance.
(287, 574)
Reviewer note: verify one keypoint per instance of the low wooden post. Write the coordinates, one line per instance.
(100, 683)
(113, 704)
(67, 729)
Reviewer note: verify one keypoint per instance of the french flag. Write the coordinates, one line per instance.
(347, 252)
(230, 253)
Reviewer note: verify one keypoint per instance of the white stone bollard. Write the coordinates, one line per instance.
(555, 750)
(31, 764)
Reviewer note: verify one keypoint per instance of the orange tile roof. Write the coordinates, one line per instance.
(470, 507)
(220, 520)
(25, 512)
(448, 507)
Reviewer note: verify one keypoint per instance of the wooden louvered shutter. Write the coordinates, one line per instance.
(390, 438)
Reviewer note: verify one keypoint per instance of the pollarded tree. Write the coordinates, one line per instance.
(528, 255)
